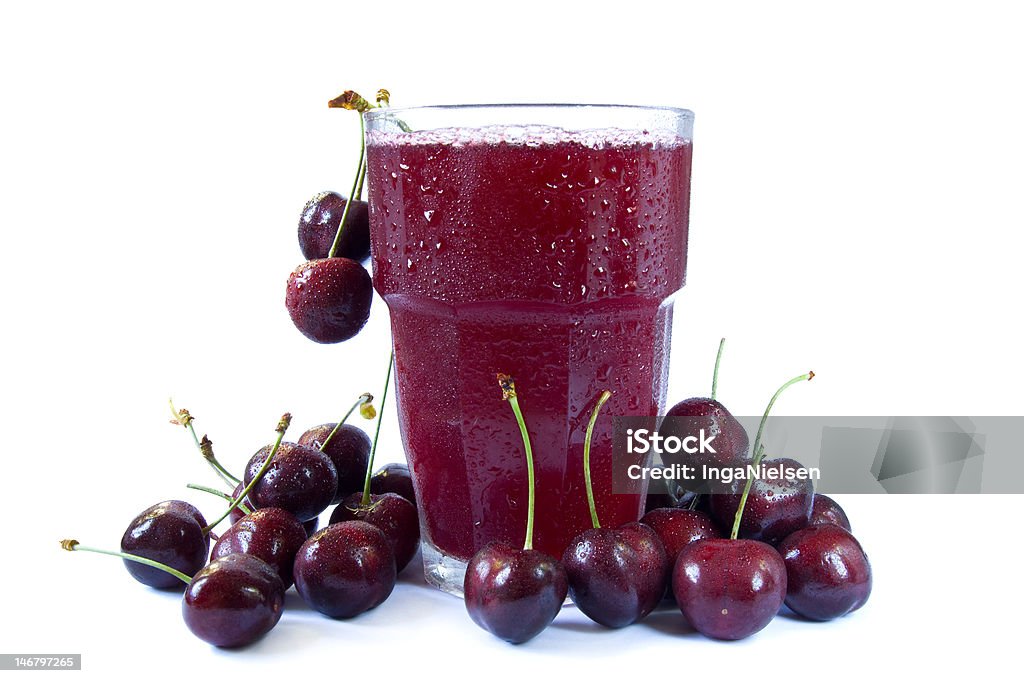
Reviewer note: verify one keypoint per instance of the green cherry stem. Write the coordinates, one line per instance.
(282, 427)
(605, 395)
(71, 545)
(363, 400)
(356, 187)
(758, 450)
(693, 503)
(718, 361)
(508, 393)
(184, 418)
(219, 494)
(376, 435)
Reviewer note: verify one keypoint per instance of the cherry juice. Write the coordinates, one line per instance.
(548, 255)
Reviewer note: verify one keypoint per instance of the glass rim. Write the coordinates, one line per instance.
(383, 112)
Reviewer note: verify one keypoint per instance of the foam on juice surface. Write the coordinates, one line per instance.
(529, 136)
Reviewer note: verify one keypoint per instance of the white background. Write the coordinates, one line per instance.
(856, 211)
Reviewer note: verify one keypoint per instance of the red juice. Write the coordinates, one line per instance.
(547, 255)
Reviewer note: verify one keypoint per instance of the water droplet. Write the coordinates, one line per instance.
(428, 215)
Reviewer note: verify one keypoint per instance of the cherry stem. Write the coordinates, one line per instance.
(718, 361)
(376, 435)
(282, 427)
(362, 180)
(356, 186)
(605, 395)
(508, 393)
(693, 503)
(219, 494)
(758, 450)
(184, 418)
(72, 545)
(363, 400)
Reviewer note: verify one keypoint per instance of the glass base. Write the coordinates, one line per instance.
(443, 571)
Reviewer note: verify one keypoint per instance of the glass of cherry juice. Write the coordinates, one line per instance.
(546, 242)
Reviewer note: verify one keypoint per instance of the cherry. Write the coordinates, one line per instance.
(229, 603)
(348, 447)
(319, 222)
(679, 528)
(515, 593)
(299, 479)
(694, 414)
(329, 299)
(345, 569)
(270, 534)
(827, 511)
(391, 513)
(616, 576)
(828, 573)
(394, 515)
(776, 506)
(728, 588)
(328, 296)
(394, 477)
(732, 588)
(233, 601)
(171, 533)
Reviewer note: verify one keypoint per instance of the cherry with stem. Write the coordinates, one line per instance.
(282, 427)
(732, 588)
(231, 602)
(394, 515)
(515, 593)
(364, 404)
(616, 576)
(71, 544)
(759, 449)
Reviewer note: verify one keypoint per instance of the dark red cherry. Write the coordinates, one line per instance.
(824, 510)
(829, 574)
(348, 449)
(392, 514)
(394, 477)
(776, 507)
(329, 299)
(233, 601)
(617, 576)
(731, 443)
(512, 592)
(729, 589)
(345, 569)
(318, 225)
(300, 480)
(170, 532)
(270, 534)
(678, 528)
